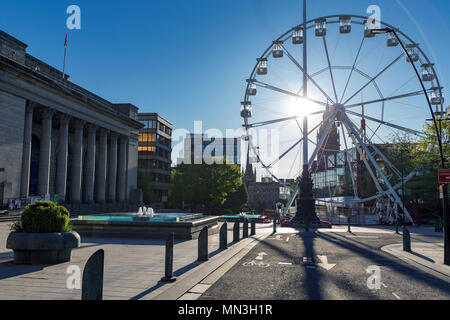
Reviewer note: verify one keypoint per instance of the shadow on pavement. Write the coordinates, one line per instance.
(393, 263)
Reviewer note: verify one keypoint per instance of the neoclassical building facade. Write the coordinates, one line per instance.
(57, 138)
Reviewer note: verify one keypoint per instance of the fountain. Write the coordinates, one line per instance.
(145, 223)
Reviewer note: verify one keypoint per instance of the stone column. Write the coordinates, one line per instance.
(122, 169)
(61, 166)
(112, 170)
(77, 161)
(101, 170)
(26, 154)
(90, 163)
(45, 152)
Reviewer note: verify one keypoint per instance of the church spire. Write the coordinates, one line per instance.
(249, 174)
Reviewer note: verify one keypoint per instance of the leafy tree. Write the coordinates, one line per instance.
(237, 199)
(203, 185)
(144, 183)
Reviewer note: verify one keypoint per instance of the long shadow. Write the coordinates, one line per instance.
(10, 270)
(314, 292)
(313, 277)
(393, 263)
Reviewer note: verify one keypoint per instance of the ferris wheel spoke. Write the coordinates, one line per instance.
(307, 75)
(374, 78)
(293, 146)
(406, 95)
(392, 125)
(292, 94)
(353, 68)
(329, 66)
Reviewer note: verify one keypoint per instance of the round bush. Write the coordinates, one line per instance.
(45, 217)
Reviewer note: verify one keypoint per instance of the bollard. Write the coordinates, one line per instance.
(168, 277)
(92, 286)
(223, 235)
(245, 230)
(236, 232)
(274, 225)
(396, 225)
(438, 224)
(253, 229)
(348, 225)
(203, 245)
(406, 240)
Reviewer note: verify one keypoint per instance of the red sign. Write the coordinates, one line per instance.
(444, 176)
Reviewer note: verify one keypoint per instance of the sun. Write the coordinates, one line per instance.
(300, 107)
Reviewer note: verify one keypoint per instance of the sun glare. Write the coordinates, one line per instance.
(301, 107)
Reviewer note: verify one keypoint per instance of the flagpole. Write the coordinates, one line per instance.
(64, 65)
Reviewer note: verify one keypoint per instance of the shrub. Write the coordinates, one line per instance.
(43, 217)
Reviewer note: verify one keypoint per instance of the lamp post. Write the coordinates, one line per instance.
(438, 134)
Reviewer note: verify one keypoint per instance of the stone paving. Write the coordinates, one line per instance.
(133, 268)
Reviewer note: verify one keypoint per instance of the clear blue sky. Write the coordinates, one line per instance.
(188, 59)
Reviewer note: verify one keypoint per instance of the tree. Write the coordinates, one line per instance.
(203, 185)
(237, 199)
(144, 183)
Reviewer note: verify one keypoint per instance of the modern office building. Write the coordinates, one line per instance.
(155, 148)
(200, 148)
(59, 141)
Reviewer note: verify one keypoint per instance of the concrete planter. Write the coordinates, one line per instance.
(42, 248)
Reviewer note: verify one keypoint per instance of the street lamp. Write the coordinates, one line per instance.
(438, 134)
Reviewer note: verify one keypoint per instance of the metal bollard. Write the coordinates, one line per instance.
(406, 240)
(223, 236)
(274, 225)
(92, 286)
(236, 232)
(168, 277)
(253, 229)
(203, 245)
(245, 230)
(397, 221)
(438, 224)
(348, 225)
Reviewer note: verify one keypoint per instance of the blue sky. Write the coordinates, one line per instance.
(188, 59)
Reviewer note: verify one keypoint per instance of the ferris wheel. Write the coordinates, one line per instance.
(356, 92)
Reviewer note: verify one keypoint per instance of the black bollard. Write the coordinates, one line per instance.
(253, 229)
(348, 225)
(223, 236)
(92, 286)
(274, 226)
(203, 245)
(245, 230)
(406, 240)
(236, 232)
(168, 276)
(397, 222)
(438, 224)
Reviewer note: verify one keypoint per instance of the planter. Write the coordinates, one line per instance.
(42, 248)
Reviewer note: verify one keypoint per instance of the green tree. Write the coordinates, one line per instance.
(144, 183)
(203, 185)
(237, 199)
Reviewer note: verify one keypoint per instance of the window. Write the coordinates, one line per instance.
(147, 137)
(146, 149)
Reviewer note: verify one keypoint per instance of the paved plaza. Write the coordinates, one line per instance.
(133, 268)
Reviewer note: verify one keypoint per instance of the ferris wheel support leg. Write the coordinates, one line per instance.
(311, 160)
(374, 163)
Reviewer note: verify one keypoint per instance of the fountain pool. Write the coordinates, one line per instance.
(186, 226)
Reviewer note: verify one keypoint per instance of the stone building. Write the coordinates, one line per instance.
(59, 140)
(155, 149)
(264, 194)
